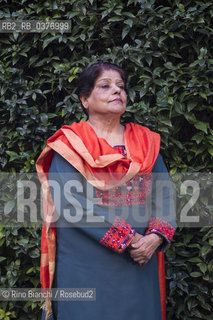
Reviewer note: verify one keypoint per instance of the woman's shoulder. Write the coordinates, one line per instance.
(143, 132)
(138, 126)
(159, 165)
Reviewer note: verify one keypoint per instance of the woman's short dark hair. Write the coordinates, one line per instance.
(88, 77)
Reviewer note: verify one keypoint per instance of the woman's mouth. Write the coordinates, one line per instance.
(117, 100)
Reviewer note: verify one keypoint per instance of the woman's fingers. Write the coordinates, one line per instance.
(137, 244)
(142, 250)
(142, 262)
(142, 258)
(138, 252)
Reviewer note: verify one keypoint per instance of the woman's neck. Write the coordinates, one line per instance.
(109, 129)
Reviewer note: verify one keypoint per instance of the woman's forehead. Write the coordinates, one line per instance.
(109, 75)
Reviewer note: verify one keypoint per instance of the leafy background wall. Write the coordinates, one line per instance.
(166, 48)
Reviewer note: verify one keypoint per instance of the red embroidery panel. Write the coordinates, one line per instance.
(161, 227)
(119, 236)
(133, 192)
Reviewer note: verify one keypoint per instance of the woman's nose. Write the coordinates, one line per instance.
(116, 88)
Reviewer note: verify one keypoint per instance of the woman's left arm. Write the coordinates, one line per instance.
(162, 223)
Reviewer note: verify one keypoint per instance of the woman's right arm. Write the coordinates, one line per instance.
(74, 202)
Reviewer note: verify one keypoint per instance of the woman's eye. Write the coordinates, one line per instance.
(106, 86)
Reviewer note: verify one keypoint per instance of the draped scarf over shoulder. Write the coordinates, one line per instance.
(99, 163)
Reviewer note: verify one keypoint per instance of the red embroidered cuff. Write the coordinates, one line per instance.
(161, 227)
(119, 236)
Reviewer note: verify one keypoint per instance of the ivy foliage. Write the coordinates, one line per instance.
(166, 48)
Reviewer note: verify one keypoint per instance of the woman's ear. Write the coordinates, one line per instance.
(84, 101)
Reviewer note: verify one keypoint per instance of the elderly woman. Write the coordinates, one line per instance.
(106, 239)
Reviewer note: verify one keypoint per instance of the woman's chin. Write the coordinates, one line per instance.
(118, 109)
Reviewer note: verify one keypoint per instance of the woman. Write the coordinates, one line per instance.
(115, 254)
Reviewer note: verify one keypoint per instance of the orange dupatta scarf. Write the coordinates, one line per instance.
(90, 155)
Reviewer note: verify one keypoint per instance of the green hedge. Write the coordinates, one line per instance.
(166, 48)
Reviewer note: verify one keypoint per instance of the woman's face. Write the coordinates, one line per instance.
(108, 95)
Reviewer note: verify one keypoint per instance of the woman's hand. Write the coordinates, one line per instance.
(143, 247)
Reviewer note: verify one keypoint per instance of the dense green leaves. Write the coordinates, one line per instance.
(166, 48)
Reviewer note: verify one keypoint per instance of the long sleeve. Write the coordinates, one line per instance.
(163, 217)
(76, 207)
